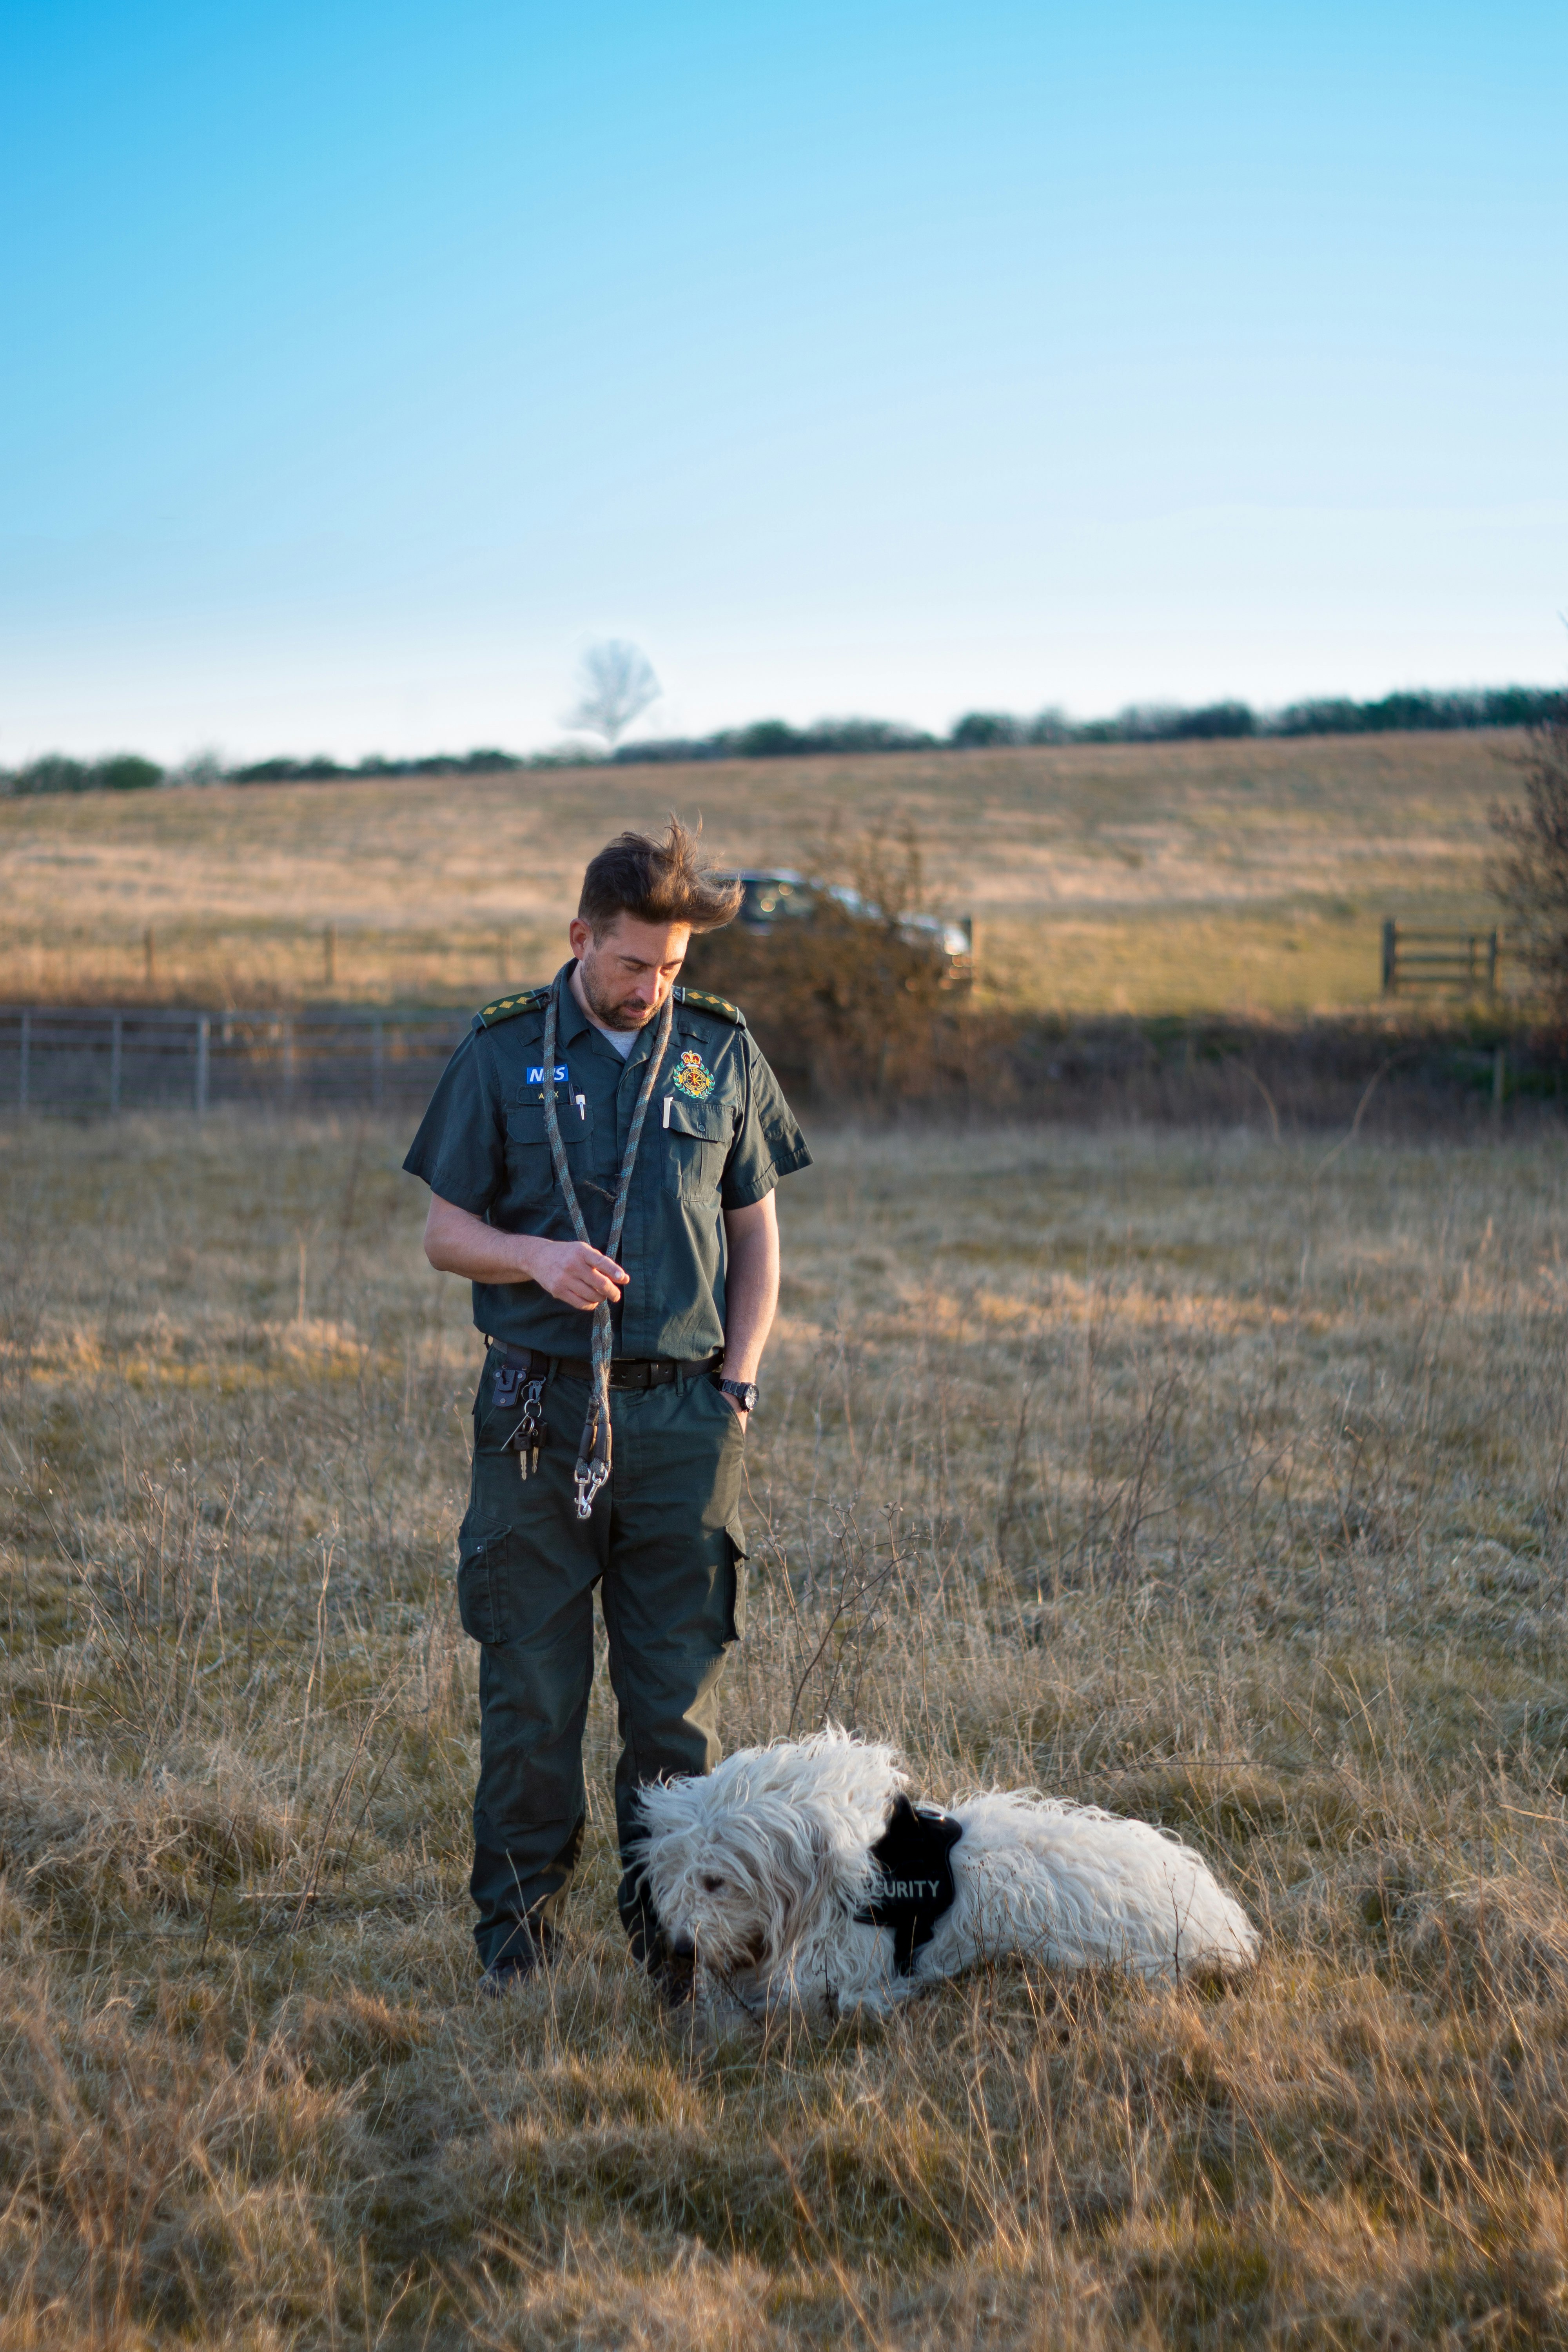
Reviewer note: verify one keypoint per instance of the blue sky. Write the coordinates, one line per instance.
(364, 364)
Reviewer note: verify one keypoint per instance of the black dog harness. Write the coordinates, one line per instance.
(914, 1867)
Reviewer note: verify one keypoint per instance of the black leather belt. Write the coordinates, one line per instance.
(626, 1372)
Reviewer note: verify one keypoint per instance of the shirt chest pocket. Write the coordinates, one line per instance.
(528, 1146)
(697, 1138)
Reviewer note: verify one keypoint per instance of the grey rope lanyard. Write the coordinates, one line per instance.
(594, 1450)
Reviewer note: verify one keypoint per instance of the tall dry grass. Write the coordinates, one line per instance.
(1215, 1480)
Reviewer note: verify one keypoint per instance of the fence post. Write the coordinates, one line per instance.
(1491, 964)
(1390, 958)
(377, 1060)
(204, 1046)
(116, 1057)
(24, 1058)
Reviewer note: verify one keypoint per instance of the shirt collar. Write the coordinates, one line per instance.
(572, 1022)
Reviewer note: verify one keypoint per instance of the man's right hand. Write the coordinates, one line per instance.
(457, 1242)
(573, 1272)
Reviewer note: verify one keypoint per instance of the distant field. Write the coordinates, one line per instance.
(1246, 876)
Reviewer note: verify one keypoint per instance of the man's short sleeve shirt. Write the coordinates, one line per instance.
(719, 1135)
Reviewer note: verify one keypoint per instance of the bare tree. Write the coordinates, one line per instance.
(1529, 874)
(618, 684)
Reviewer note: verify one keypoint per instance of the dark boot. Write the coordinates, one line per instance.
(531, 1946)
(673, 1972)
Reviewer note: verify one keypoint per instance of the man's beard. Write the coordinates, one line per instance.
(613, 1015)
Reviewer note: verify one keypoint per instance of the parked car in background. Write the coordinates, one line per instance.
(769, 899)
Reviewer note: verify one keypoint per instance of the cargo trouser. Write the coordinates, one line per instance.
(664, 1547)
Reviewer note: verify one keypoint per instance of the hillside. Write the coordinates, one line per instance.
(1120, 876)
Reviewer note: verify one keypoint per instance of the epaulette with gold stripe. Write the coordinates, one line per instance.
(507, 1008)
(701, 1001)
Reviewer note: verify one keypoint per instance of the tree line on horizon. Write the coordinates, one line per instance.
(1416, 710)
(1419, 709)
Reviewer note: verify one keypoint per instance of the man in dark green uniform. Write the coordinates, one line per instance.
(655, 1107)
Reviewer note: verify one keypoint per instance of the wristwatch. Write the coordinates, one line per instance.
(744, 1392)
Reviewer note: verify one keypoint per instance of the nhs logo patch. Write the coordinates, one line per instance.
(536, 1077)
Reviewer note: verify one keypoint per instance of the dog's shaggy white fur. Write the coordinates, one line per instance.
(761, 1868)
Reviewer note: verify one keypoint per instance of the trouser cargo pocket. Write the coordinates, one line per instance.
(484, 1563)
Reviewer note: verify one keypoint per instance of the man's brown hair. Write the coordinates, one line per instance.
(666, 881)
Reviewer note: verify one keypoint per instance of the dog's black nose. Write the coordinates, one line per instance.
(682, 1947)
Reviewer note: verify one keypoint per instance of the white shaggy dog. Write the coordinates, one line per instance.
(765, 1871)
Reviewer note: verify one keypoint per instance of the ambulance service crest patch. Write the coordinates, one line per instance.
(692, 1076)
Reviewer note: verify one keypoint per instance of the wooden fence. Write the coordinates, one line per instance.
(283, 964)
(1438, 963)
(86, 1061)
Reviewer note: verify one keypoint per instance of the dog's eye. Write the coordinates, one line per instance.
(711, 1885)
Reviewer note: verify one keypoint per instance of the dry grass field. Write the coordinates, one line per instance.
(1250, 877)
(1215, 1480)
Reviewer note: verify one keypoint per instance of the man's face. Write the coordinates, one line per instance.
(626, 974)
